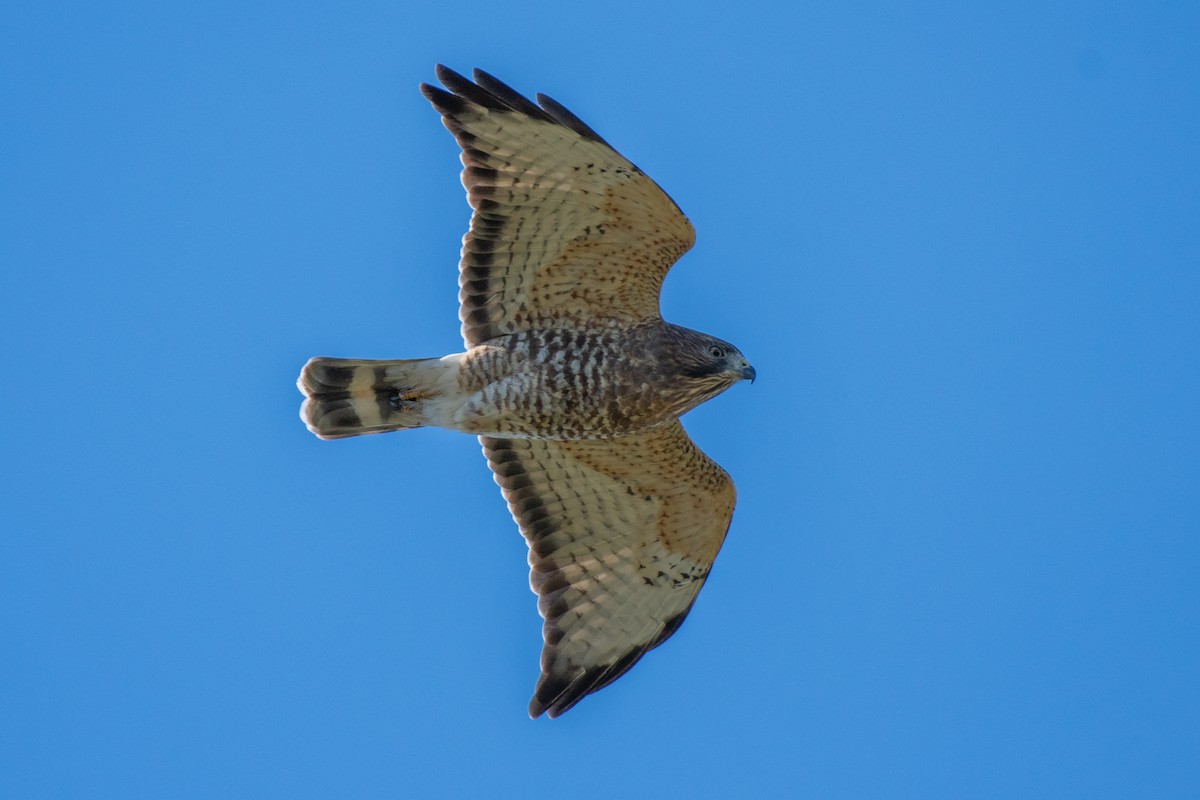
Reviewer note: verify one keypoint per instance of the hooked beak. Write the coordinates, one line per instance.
(746, 373)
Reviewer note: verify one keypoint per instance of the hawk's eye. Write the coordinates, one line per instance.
(716, 352)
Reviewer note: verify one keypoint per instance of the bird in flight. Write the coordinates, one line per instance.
(570, 378)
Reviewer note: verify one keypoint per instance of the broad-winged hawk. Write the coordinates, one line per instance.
(571, 379)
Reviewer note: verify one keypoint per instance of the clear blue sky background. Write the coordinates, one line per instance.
(959, 241)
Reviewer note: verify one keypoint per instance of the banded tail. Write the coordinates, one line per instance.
(349, 397)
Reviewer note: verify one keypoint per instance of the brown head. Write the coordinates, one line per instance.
(702, 366)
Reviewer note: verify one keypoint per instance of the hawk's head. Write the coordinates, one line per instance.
(709, 365)
(723, 359)
(711, 359)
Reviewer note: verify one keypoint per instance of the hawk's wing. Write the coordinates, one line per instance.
(565, 229)
(622, 534)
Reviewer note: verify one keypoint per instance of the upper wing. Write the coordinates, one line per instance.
(565, 229)
(622, 534)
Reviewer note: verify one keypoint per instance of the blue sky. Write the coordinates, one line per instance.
(958, 241)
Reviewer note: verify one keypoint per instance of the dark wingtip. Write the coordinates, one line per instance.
(488, 91)
(556, 699)
(444, 102)
(563, 116)
(467, 89)
(508, 95)
(555, 695)
(448, 76)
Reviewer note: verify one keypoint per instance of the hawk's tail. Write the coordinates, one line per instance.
(349, 397)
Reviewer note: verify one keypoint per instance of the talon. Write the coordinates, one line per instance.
(397, 399)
